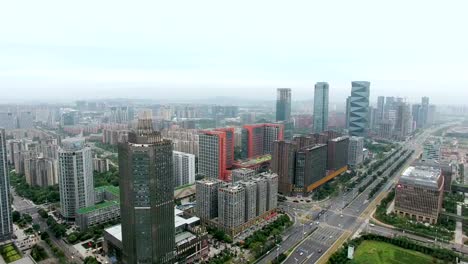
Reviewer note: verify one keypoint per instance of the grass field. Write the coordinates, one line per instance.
(373, 252)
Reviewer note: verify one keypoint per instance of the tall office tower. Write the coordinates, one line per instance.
(310, 167)
(25, 120)
(258, 139)
(250, 199)
(348, 111)
(359, 109)
(231, 206)
(372, 118)
(337, 153)
(321, 107)
(212, 154)
(355, 151)
(424, 111)
(6, 224)
(147, 195)
(416, 113)
(431, 115)
(282, 163)
(386, 129)
(419, 193)
(207, 198)
(121, 114)
(69, 117)
(7, 120)
(389, 104)
(404, 121)
(283, 104)
(184, 168)
(272, 190)
(230, 142)
(75, 168)
(380, 108)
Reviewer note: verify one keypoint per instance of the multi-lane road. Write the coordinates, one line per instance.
(340, 215)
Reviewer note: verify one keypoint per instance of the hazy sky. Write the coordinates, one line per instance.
(179, 49)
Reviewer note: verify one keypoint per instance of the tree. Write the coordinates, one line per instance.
(16, 216)
(28, 218)
(36, 227)
(38, 253)
(91, 260)
(43, 213)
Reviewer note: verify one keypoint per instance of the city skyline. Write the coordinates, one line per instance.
(209, 51)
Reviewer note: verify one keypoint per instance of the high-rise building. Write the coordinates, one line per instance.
(261, 195)
(424, 111)
(380, 107)
(121, 114)
(416, 113)
(25, 120)
(230, 142)
(75, 169)
(184, 168)
(147, 195)
(321, 107)
(404, 121)
(40, 171)
(212, 154)
(419, 194)
(310, 167)
(8, 120)
(359, 109)
(337, 153)
(272, 190)
(250, 199)
(231, 206)
(6, 223)
(283, 104)
(355, 151)
(283, 163)
(258, 139)
(242, 174)
(207, 198)
(348, 111)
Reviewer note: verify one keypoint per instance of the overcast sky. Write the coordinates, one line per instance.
(60, 50)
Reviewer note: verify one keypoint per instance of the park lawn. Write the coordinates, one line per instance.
(373, 252)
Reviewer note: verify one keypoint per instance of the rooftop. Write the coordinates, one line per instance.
(98, 206)
(421, 175)
(109, 188)
(255, 161)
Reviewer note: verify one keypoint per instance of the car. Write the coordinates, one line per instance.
(319, 251)
(372, 225)
(302, 253)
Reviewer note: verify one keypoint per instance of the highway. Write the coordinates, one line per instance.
(344, 214)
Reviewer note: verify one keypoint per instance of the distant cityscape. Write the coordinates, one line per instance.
(126, 181)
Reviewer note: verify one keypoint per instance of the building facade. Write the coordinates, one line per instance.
(212, 154)
(207, 198)
(75, 169)
(355, 151)
(6, 223)
(184, 168)
(359, 108)
(321, 107)
(419, 194)
(147, 195)
(283, 104)
(337, 153)
(258, 139)
(231, 206)
(283, 163)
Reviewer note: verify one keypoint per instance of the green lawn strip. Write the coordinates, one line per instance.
(374, 252)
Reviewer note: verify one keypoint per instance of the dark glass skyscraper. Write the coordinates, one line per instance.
(6, 224)
(147, 196)
(283, 104)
